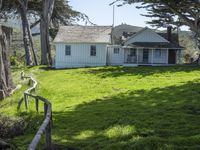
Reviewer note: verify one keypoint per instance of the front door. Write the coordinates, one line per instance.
(172, 56)
(145, 56)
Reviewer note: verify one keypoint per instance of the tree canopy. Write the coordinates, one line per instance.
(172, 12)
(63, 14)
(32, 13)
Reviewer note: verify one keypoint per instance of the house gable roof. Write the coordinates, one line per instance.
(83, 34)
(146, 35)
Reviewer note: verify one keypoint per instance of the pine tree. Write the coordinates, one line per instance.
(46, 15)
(6, 83)
(172, 12)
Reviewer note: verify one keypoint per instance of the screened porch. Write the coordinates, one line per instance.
(148, 56)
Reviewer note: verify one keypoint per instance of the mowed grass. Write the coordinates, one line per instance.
(119, 108)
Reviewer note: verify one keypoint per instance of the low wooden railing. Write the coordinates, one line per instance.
(46, 125)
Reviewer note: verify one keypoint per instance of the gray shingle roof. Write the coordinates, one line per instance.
(83, 34)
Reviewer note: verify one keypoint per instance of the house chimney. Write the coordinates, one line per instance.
(169, 33)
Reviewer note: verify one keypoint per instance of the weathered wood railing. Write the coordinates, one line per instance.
(46, 125)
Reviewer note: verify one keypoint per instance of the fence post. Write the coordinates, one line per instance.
(37, 105)
(26, 100)
(30, 82)
(51, 118)
(34, 88)
(45, 109)
(22, 75)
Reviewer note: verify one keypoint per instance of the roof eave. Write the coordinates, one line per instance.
(180, 48)
(81, 42)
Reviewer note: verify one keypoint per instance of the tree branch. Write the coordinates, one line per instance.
(189, 22)
(35, 24)
(35, 34)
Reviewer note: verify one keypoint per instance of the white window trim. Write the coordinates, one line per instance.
(118, 50)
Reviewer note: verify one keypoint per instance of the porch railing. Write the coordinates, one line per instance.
(131, 59)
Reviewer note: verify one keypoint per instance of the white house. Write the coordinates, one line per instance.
(146, 47)
(82, 46)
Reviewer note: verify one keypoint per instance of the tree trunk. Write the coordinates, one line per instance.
(28, 55)
(44, 42)
(48, 6)
(6, 83)
(31, 42)
(27, 35)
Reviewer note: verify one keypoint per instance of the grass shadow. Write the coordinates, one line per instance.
(105, 72)
(19, 104)
(161, 118)
(46, 68)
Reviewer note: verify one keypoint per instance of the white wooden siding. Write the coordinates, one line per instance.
(80, 56)
(115, 59)
(146, 36)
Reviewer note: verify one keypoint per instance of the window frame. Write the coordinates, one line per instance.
(158, 53)
(93, 50)
(114, 50)
(67, 50)
(133, 52)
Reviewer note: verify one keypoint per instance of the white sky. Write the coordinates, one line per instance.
(101, 13)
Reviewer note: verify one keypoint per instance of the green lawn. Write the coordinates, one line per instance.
(118, 107)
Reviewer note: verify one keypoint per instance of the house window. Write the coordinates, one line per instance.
(67, 50)
(93, 51)
(116, 50)
(158, 53)
(132, 52)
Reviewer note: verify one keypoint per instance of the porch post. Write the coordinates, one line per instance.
(137, 52)
(124, 57)
(167, 56)
(152, 56)
(177, 56)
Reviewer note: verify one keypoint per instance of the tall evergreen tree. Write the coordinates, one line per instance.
(5, 73)
(61, 14)
(173, 12)
(19, 8)
(6, 84)
(45, 20)
(51, 15)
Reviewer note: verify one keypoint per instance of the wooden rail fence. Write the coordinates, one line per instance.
(47, 122)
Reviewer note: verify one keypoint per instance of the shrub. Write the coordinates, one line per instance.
(10, 127)
(15, 61)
